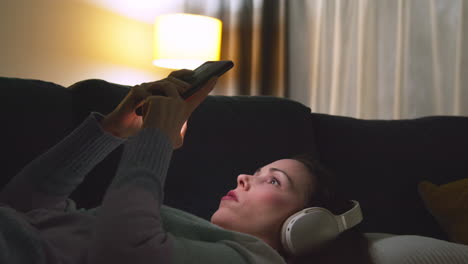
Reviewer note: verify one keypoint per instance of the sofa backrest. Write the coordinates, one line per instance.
(377, 162)
(34, 116)
(380, 163)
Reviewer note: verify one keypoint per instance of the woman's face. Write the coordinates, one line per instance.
(263, 201)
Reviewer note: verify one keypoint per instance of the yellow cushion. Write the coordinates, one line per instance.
(448, 203)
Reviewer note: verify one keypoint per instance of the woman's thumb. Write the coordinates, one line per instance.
(201, 94)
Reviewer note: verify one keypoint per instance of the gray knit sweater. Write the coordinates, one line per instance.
(39, 224)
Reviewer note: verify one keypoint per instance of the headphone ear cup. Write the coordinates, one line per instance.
(308, 229)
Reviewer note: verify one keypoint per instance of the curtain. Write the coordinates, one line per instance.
(379, 59)
(254, 37)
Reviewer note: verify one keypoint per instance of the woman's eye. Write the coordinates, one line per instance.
(274, 181)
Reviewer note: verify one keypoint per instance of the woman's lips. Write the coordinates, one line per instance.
(231, 195)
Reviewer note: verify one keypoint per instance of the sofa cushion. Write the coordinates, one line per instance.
(448, 203)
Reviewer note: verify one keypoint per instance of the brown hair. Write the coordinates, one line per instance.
(350, 246)
(324, 192)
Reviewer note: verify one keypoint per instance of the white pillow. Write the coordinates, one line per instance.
(412, 249)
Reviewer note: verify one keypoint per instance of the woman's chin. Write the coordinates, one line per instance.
(222, 218)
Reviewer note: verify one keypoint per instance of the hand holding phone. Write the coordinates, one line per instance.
(200, 76)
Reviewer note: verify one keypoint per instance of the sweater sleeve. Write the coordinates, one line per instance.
(49, 179)
(130, 227)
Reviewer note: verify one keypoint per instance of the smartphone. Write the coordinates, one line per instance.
(200, 76)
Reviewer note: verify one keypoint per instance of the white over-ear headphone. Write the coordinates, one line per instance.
(314, 226)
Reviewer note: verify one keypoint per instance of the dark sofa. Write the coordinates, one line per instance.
(377, 162)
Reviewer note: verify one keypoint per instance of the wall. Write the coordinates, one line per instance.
(65, 41)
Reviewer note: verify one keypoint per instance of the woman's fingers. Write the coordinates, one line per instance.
(171, 99)
(180, 140)
(195, 100)
(181, 74)
(175, 78)
(139, 94)
(172, 90)
(157, 88)
(167, 113)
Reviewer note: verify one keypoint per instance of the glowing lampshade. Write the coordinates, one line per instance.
(185, 41)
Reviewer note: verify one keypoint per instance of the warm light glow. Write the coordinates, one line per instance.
(184, 41)
(140, 10)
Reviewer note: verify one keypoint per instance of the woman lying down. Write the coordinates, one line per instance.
(265, 219)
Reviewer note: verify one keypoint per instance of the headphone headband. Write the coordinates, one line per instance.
(349, 218)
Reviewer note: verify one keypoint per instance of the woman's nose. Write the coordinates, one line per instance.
(243, 181)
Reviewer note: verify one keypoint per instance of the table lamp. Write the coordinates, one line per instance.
(185, 41)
